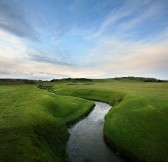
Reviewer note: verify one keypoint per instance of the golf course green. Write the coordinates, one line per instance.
(33, 122)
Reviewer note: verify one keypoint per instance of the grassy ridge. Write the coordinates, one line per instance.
(33, 123)
(138, 124)
(108, 96)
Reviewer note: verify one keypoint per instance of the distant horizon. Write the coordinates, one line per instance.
(45, 39)
(84, 78)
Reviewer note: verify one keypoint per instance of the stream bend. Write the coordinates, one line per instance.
(86, 142)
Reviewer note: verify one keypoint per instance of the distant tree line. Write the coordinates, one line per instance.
(140, 79)
(71, 79)
(17, 81)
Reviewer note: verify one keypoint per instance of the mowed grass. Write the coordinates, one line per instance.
(138, 123)
(33, 123)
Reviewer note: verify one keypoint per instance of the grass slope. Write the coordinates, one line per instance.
(33, 123)
(138, 125)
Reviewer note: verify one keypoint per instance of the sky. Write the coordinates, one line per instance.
(46, 39)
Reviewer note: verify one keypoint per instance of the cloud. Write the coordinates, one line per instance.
(13, 51)
(115, 56)
(13, 19)
(34, 76)
(15, 61)
(132, 17)
(42, 57)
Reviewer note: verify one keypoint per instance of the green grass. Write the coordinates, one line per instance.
(138, 123)
(108, 96)
(33, 123)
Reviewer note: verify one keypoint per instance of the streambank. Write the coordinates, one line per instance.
(121, 152)
(86, 140)
(72, 122)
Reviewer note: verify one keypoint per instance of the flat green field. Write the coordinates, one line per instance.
(33, 122)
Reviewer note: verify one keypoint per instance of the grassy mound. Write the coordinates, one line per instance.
(33, 123)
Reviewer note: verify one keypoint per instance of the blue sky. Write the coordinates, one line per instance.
(45, 39)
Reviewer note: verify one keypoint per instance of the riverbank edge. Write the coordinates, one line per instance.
(82, 116)
(124, 154)
(72, 122)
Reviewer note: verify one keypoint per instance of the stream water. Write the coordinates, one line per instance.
(86, 142)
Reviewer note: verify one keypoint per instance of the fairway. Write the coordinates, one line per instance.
(33, 122)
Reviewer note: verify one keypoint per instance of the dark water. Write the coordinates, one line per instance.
(86, 142)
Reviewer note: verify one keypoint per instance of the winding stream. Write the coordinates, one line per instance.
(86, 142)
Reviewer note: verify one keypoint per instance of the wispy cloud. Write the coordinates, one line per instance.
(13, 19)
(121, 57)
(129, 16)
(43, 57)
